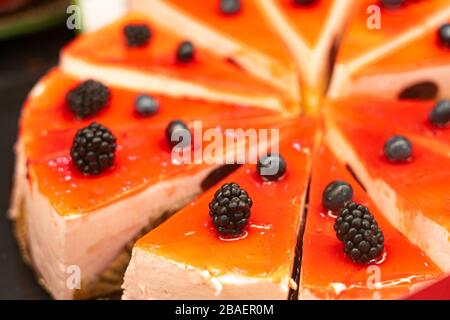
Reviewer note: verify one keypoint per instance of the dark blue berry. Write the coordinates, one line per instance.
(398, 149)
(304, 2)
(178, 134)
(392, 4)
(336, 195)
(185, 52)
(271, 167)
(146, 105)
(440, 115)
(444, 35)
(230, 7)
(137, 34)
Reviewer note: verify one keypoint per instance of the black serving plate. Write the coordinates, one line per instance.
(22, 62)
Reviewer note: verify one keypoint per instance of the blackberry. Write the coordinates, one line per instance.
(88, 98)
(137, 35)
(398, 149)
(440, 115)
(146, 105)
(392, 4)
(230, 209)
(178, 134)
(356, 227)
(185, 52)
(271, 167)
(230, 7)
(93, 149)
(444, 35)
(336, 194)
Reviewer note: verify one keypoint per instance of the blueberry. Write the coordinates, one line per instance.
(185, 52)
(183, 135)
(304, 2)
(230, 7)
(137, 34)
(392, 4)
(271, 167)
(440, 115)
(336, 195)
(444, 35)
(146, 105)
(398, 149)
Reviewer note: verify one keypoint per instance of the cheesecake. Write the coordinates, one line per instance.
(375, 32)
(67, 210)
(258, 263)
(239, 34)
(311, 30)
(137, 53)
(418, 70)
(327, 273)
(405, 177)
(414, 118)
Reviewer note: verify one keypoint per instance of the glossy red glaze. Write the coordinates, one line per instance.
(328, 274)
(143, 156)
(402, 117)
(425, 52)
(158, 57)
(268, 248)
(359, 39)
(421, 184)
(248, 26)
(307, 20)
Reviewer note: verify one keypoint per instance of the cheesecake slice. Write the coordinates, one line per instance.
(259, 264)
(375, 32)
(410, 118)
(165, 63)
(412, 195)
(239, 34)
(311, 30)
(418, 70)
(66, 219)
(327, 273)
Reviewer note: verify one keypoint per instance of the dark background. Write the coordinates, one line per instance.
(23, 61)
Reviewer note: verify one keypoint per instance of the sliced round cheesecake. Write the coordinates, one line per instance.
(149, 112)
